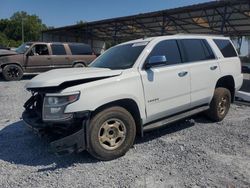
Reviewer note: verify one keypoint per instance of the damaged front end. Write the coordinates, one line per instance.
(65, 132)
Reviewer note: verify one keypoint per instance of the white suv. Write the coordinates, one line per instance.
(133, 87)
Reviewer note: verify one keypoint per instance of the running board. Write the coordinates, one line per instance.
(168, 120)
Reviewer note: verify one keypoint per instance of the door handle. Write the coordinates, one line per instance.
(213, 67)
(182, 74)
(49, 58)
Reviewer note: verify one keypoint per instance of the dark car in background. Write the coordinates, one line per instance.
(35, 57)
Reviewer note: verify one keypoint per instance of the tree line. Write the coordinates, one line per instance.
(11, 29)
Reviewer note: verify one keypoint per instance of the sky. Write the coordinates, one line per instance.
(59, 13)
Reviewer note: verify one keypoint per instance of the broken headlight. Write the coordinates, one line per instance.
(55, 104)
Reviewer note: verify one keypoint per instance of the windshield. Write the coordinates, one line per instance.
(120, 57)
(23, 48)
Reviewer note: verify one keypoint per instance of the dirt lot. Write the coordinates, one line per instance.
(190, 153)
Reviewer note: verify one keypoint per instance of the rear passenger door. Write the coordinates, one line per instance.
(204, 69)
(166, 88)
(59, 57)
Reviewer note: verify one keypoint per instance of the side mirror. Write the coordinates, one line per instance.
(156, 61)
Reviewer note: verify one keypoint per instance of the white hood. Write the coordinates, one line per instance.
(58, 76)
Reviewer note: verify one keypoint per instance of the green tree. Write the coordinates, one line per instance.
(11, 29)
(3, 24)
(3, 38)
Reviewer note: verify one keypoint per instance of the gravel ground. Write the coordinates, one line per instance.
(190, 153)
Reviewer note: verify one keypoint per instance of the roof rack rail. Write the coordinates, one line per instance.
(196, 34)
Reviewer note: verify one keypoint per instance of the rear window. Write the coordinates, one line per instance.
(196, 50)
(80, 49)
(225, 47)
(58, 49)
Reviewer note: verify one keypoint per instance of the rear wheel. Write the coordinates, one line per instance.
(112, 133)
(220, 104)
(80, 65)
(12, 72)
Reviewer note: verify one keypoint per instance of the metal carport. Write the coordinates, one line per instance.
(230, 18)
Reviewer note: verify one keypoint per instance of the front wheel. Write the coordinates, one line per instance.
(220, 104)
(12, 72)
(111, 133)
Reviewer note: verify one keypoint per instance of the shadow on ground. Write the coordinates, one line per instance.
(174, 127)
(20, 145)
(168, 129)
(25, 77)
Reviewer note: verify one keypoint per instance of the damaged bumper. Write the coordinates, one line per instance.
(64, 138)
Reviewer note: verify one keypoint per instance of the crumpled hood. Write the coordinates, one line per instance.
(7, 52)
(57, 77)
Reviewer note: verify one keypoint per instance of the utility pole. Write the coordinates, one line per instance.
(22, 31)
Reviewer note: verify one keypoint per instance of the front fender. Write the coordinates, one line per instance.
(2, 64)
(98, 93)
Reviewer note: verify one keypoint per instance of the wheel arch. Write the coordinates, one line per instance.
(13, 63)
(229, 83)
(80, 62)
(130, 105)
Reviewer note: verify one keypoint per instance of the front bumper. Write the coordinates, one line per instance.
(64, 138)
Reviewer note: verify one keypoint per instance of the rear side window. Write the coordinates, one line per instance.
(208, 50)
(80, 49)
(195, 50)
(225, 47)
(168, 48)
(58, 49)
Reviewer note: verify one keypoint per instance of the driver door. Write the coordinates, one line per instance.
(38, 58)
(167, 87)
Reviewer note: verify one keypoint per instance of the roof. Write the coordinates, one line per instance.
(70, 43)
(227, 17)
(177, 36)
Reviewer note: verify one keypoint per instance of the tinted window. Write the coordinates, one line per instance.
(225, 47)
(58, 49)
(208, 50)
(168, 48)
(195, 50)
(80, 49)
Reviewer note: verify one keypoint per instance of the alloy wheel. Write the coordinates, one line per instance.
(112, 134)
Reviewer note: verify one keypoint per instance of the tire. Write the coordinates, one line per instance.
(12, 72)
(111, 133)
(79, 65)
(220, 104)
